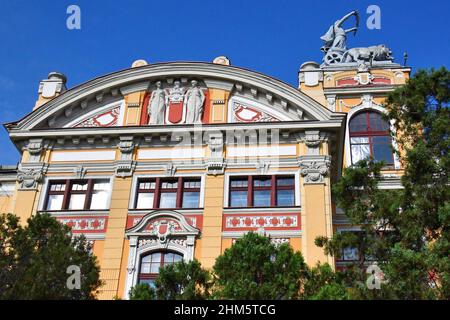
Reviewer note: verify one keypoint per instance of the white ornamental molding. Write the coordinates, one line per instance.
(263, 166)
(125, 168)
(29, 178)
(126, 146)
(35, 147)
(80, 172)
(170, 169)
(314, 169)
(191, 220)
(109, 118)
(243, 113)
(313, 139)
(215, 166)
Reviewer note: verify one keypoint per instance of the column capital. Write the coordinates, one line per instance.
(314, 168)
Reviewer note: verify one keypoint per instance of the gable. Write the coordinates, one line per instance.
(230, 95)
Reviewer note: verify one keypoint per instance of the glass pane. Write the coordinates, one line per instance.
(58, 187)
(285, 181)
(156, 257)
(350, 254)
(377, 123)
(192, 184)
(360, 148)
(358, 123)
(261, 198)
(169, 185)
(238, 199)
(382, 149)
(55, 202)
(145, 267)
(355, 140)
(150, 282)
(177, 257)
(101, 186)
(99, 200)
(147, 185)
(190, 199)
(239, 183)
(285, 197)
(79, 186)
(145, 200)
(77, 201)
(262, 182)
(154, 267)
(168, 200)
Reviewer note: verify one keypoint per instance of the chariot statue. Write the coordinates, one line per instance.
(335, 45)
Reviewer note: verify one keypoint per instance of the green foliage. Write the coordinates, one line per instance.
(324, 284)
(142, 291)
(183, 281)
(34, 260)
(254, 268)
(407, 230)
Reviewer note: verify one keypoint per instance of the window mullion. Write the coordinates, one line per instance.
(250, 191)
(273, 191)
(157, 193)
(66, 195)
(89, 190)
(179, 192)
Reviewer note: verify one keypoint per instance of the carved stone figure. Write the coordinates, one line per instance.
(335, 39)
(157, 105)
(375, 53)
(335, 47)
(195, 98)
(176, 94)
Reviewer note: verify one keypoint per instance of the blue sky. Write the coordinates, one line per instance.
(272, 37)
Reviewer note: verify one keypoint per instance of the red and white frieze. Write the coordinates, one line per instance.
(256, 221)
(84, 224)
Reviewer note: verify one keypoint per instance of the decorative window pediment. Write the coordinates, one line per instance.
(162, 224)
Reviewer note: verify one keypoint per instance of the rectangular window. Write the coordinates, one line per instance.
(265, 191)
(78, 195)
(191, 194)
(168, 193)
(285, 191)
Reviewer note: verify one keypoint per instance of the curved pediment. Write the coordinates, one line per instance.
(251, 97)
(162, 224)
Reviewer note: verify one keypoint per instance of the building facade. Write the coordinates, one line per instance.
(163, 162)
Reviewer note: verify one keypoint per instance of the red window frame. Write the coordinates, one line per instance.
(179, 190)
(369, 132)
(274, 187)
(68, 192)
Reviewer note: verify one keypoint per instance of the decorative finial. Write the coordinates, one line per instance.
(139, 63)
(222, 60)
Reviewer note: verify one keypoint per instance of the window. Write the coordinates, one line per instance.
(369, 137)
(262, 191)
(169, 193)
(77, 195)
(151, 263)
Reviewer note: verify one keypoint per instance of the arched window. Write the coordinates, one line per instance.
(369, 137)
(151, 263)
